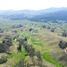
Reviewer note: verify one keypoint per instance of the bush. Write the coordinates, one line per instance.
(64, 34)
(7, 41)
(48, 27)
(20, 64)
(5, 45)
(17, 26)
(52, 30)
(30, 29)
(4, 48)
(44, 26)
(22, 42)
(1, 31)
(62, 44)
(3, 59)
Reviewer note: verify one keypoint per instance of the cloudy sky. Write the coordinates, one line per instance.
(31, 4)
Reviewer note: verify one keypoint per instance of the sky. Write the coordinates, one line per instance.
(31, 4)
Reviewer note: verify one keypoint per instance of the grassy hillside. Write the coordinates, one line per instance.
(40, 40)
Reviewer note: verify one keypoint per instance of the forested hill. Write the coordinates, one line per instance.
(39, 15)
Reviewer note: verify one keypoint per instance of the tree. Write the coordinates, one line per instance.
(5, 45)
(3, 48)
(30, 29)
(7, 41)
(22, 42)
(3, 59)
(44, 26)
(52, 30)
(64, 34)
(20, 64)
(62, 44)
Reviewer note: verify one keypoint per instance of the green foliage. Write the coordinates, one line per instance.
(14, 58)
(36, 42)
(43, 40)
(46, 56)
(51, 59)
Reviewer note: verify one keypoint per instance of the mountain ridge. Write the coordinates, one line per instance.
(36, 15)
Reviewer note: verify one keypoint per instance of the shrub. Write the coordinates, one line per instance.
(52, 30)
(64, 34)
(62, 44)
(3, 59)
(4, 48)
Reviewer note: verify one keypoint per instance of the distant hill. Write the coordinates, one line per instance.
(39, 15)
(52, 14)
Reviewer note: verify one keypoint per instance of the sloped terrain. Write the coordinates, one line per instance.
(32, 44)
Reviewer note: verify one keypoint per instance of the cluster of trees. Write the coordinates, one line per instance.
(49, 28)
(5, 45)
(44, 26)
(1, 30)
(30, 29)
(3, 59)
(64, 34)
(63, 45)
(17, 26)
(53, 30)
(5, 48)
(30, 51)
(21, 64)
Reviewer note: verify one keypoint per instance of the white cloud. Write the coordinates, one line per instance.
(31, 4)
